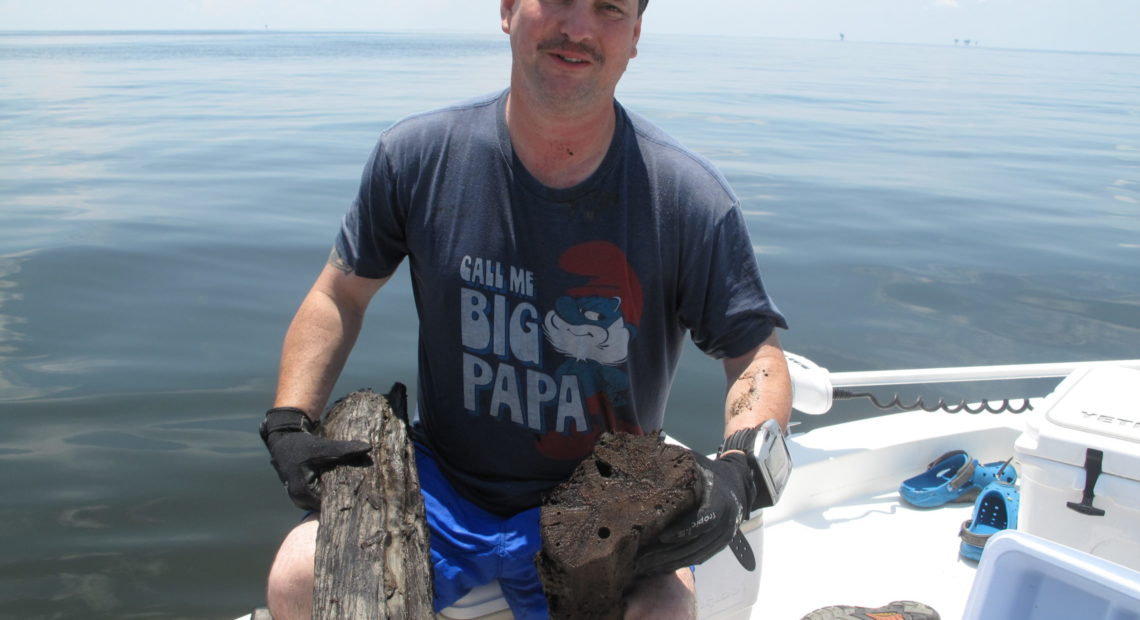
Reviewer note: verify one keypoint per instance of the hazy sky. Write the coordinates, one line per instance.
(1083, 25)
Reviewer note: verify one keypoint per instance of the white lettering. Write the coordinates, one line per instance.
(540, 389)
(475, 329)
(506, 394)
(500, 326)
(477, 374)
(507, 399)
(570, 409)
(483, 272)
(486, 325)
(525, 334)
(522, 282)
(465, 269)
(477, 273)
(495, 274)
(487, 272)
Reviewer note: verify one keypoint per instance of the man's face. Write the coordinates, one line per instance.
(571, 53)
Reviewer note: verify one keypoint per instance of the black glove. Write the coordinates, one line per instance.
(726, 492)
(299, 456)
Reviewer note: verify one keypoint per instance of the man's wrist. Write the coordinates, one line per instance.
(768, 461)
(286, 419)
(742, 465)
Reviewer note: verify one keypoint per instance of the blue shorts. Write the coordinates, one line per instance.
(471, 547)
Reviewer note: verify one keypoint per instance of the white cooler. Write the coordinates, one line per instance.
(1023, 577)
(1079, 462)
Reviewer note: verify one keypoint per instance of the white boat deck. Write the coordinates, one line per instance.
(842, 535)
(867, 551)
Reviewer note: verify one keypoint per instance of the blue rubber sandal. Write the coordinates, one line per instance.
(994, 511)
(954, 478)
(945, 480)
(1001, 471)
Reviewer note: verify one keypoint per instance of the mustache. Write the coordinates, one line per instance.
(564, 44)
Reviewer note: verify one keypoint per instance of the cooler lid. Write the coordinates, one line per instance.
(1096, 408)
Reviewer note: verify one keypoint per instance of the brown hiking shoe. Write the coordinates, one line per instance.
(898, 610)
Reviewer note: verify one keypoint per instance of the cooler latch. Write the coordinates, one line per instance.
(1094, 460)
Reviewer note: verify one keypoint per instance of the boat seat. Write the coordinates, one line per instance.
(485, 601)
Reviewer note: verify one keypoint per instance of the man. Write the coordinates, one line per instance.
(560, 249)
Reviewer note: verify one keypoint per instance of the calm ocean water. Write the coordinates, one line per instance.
(167, 198)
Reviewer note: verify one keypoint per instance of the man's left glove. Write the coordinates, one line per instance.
(299, 456)
(726, 491)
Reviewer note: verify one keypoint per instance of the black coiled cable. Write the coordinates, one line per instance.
(1005, 406)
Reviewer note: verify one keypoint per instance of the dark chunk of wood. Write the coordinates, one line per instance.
(617, 500)
(372, 545)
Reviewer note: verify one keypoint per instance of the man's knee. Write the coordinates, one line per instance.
(290, 590)
(671, 596)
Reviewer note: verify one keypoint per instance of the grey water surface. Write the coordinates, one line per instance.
(167, 198)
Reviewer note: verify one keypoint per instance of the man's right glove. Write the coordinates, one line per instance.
(299, 456)
(726, 493)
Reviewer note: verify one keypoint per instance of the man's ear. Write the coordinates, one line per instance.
(636, 37)
(506, 7)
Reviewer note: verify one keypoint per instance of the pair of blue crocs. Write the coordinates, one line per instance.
(954, 477)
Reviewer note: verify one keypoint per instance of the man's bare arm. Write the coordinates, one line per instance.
(759, 387)
(322, 335)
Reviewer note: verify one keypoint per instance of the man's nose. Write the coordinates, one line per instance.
(577, 20)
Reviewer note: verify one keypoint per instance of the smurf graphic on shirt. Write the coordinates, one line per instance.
(592, 325)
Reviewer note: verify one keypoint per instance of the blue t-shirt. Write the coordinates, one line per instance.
(549, 316)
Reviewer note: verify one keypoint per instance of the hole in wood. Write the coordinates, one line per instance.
(603, 532)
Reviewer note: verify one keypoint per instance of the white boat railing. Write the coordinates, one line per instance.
(814, 388)
(967, 373)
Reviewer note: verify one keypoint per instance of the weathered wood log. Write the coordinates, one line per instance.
(616, 501)
(372, 545)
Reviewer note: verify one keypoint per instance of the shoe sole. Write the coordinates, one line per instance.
(897, 610)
